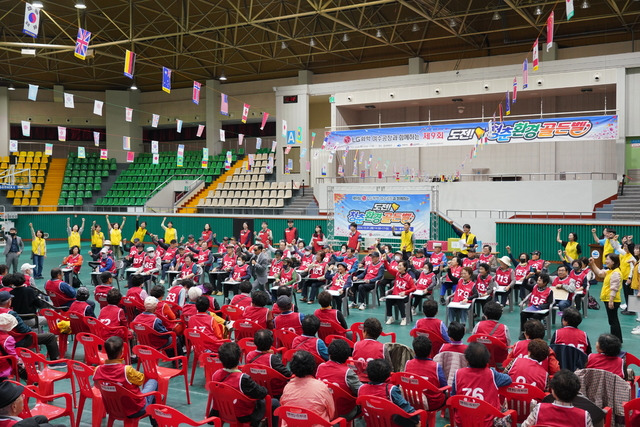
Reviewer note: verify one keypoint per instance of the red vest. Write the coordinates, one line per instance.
(7, 422)
(468, 262)
(103, 264)
(430, 324)
(53, 286)
(306, 343)
(259, 358)
(305, 261)
(418, 262)
(454, 347)
(478, 383)
(366, 261)
(558, 281)
(206, 237)
(245, 237)
(289, 321)
(275, 310)
(150, 321)
(72, 260)
(290, 234)
(573, 337)
(455, 271)
(169, 254)
(367, 350)
(228, 262)
(526, 370)
(463, 291)
(539, 296)
(79, 307)
(263, 235)
(424, 281)
(239, 271)
(258, 315)
(503, 277)
(521, 272)
(116, 373)
(185, 270)
(403, 283)
(175, 293)
(427, 369)
(327, 315)
(338, 281)
(111, 315)
(552, 415)
(4, 364)
(206, 324)
(336, 373)
(286, 276)
(353, 240)
(134, 293)
(486, 326)
(314, 242)
(379, 390)
(537, 264)
(483, 284)
(138, 257)
(234, 379)
(276, 267)
(242, 301)
(203, 256)
(579, 278)
(188, 309)
(372, 270)
(148, 264)
(318, 272)
(612, 364)
(436, 259)
(485, 258)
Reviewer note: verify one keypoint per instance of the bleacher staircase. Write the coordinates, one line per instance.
(53, 185)
(190, 206)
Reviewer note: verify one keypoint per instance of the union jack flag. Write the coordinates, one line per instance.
(82, 44)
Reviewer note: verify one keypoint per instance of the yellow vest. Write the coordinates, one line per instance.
(606, 287)
(97, 239)
(170, 234)
(608, 249)
(635, 278)
(625, 267)
(139, 234)
(405, 241)
(469, 241)
(38, 246)
(115, 235)
(572, 250)
(74, 239)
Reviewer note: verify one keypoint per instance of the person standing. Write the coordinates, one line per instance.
(74, 233)
(609, 241)
(115, 236)
(260, 266)
(572, 248)
(39, 251)
(610, 293)
(291, 233)
(407, 240)
(13, 249)
(170, 233)
(467, 238)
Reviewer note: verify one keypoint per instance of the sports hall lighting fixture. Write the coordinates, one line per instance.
(585, 4)
(496, 16)
(37, 4)
(222, 77)
(453, 23)
(312, 42)
(537, 11)
(379, 34)
(284, 45)
(345, 37)
(133, 86)
(80, 4)
(415, 28)
(11, 87)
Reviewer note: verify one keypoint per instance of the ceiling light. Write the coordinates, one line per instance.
(496, 16)
(28, 52)
(379, 33)
(345, 37)
(80, 4)
(585, 4)
(312, 42)
(284, 45)
(453, 23)
(222, 77)
(415, 28)
(537, 11)
(133, 86)
(37, 4)
(11, 87)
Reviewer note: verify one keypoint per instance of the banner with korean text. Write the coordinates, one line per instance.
(511, 131)
(375, 214)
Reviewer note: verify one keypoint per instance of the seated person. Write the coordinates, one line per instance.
(149, 318)
(456, 332)
(564, 387)
(112, 314)
(485, 285)
(479, 379)
(189, 308)
(243, 299)
(209, 290)
(100, 292)
(336, 371)
(136, 292)
(327, 314)
(430, 322)
(178, 293)
(379, 371)
(74, 260)
(505, 279)
(450, 278)
(282, 290)
(464, 293)
(425, 367)
(12, 404)
(165, 312)
(340, 282)
(607, 356)
(369, 347)
(569, 334)
(264, 355)
(364, 282)
(541, 299)
(425, 283)
(26, 300)
(82, 305)
(565, 282)
(288, 319)
(63, 293)
(529, 369)
(115, 371)
(308, 340)
(491, 325)
(206, 322)
(304, 390)
(250, 412)
(7, 345)
(533, 329)
(403, 286)
(258, 312)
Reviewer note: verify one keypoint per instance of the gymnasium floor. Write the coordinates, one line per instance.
(595, 324)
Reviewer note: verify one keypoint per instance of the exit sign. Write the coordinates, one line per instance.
(290, 99)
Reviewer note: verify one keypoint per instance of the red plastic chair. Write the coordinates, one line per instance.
(421, 393)
(41, 407)
(118, 401)
(38, 372)
(331, 328)
(53, 317)
(519, 397)
(436, 340)
(344, 401)
(244, 328)
(150, 358)
(226, 398)
(166, 416)
(132, 308)
(284, 339)
(295, 416)
(34, 339)
(378, 412)
(94, 353)
(497, 348)
(630, 359)
(100, 294)
(83, 373)
(267, 377)
(145, 337)
(57, 301)
(201, 343)
(631, 413)
(288, 355)
(329, 339)
(10, 361)
(211, 363)
(78, 325)
(231, 312)
(356, 329)
(103, 331)
(472, 412)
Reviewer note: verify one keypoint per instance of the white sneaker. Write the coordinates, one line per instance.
(389, 320)
(635, 331)
(413, 311)
(362, 306)
(353, 305)
(403, 322)
(623, 307)
(382, 299)
(161, 282)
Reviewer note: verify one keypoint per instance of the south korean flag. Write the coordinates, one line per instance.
(31, 20)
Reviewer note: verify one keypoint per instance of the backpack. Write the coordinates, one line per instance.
(593, 304)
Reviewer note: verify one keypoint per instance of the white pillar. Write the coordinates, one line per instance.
(5, 127)
(214, 120)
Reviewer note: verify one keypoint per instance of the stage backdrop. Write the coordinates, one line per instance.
(375, 214)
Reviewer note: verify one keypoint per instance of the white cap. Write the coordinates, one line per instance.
(107, 242)
(151, 249)
(150, 303)
(437, 245)
(506, 260)
(27, 266)
(104, 250)
(7, 322)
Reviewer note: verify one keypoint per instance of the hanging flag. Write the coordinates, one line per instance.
(26, 128)
(500, 111)
(205, 163)
(96, 138)
(265, 116)
(62, 133)
(258, 143)
(303, 152)
(181, 150)
(166, 79)
(330, 159)
(31, 20)
(250, 162)
(569, 5)
(525, 74)
(129, 63)
(48, 149)
(33, 92)
(273, 146)
(535, 55)
(103, 154)
(287, 150)
(180, 161)
(13, 145)
(205, 153)
(515, 89)
(195, 97)
(200, 130)
(270, 164)
(154, 147)
(81, 154)
(340, 170)
(240, 138)
(550, 20)
(130, 156)
(155, 120)
(97, 107)
(128, 114)
(299, 135)
(284, 128)
(245, 112)
(224, 104)
(68, 100)
(179, 125)
(308, 166)
(82, 44)
(324, 170)
(222, 135)
(155, 159)
(313, 138)
(126, 143)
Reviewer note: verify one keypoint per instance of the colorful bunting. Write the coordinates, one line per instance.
(31, 20)
(273, 146)
(195, 97)
(82, 44)
(308, 166)
(48, 149)
(265, 116)
(103, 154)
(26, 128)
(155, 120)
(126, 143)
(130, 156)
(13, 145)
(178, 125)
(258, 143)
(96, 138)
(81, 153)
(240, 138)
(569, 4)
(508, 104)
(62, 133)
(128, 114)
(299, 135)
(205, 153)
(303, 152)
(245, 112)
(222, 136)
(313, 138)
(166, 79)
(154, 147)
(129, 63)
(535, 55)
(68, 100)
(224, 104)
(33, 92)
(287, 150)
(324, 171)
(155, 159)
(525, 74)
(515, 89)
(200, 130)
(284, 128)
(550, 20)
(97, 107)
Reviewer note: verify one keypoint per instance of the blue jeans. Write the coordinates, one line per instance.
(38, 260)
(148, 386)
(447, 286)
(564, 304)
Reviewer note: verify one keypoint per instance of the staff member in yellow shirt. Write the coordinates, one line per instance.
(170, 233)
(610, 293)
(97, 239)
(407, 240)
(141, 230)
(468, 239)
(572, 248)
(609, 237)
(74, 234)
(39, 251)
(115, 236)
